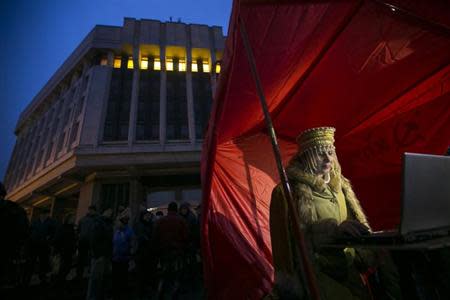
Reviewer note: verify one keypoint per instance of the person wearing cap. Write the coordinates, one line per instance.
(327, 208)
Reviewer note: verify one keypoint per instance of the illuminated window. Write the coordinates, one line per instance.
(194, 66)
(130, 63)
(169, 64)
(144, 63)
(182, 65)
(104, 61)
(206, 68)
(117, 62)
(157, 64)
(217, 68)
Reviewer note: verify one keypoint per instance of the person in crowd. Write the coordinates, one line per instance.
(193, 240)
(101, 247)
(40, 245)
(327, 208)
(123, 248)
(14, 231)
(65, 245)
(145, 259)
(84, 237)
(158, 215)
(171, 238)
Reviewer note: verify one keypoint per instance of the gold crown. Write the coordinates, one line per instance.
(319, 137)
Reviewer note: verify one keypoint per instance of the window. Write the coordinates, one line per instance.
(205, 64)
(130, 64)
(144, 63)
(147, 126)
(114, 196)
(80, 105)
(194, 66)
(85, 82)
(62, 137)
(117, 62)
(182, 65)
(49, 151)
(160, 198)
(202, 92)
(103, 61)
(217, 67)
(74, 133)
(169, 64)
(157, 64)
(177, 121)
(118, 108)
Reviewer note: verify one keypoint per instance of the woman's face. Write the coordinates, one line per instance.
(324, 161)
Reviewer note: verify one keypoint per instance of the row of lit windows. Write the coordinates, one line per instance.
(145, 64)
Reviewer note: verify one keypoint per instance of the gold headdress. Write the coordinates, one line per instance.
(316, 138)
(313, 141)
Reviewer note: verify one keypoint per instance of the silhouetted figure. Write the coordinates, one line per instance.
(158, 215)
(122, 250)
(65, 245)
(14, 230)
(193, 241)
(145, 258)
(101, 248)
(84, 237)
(40, 245)
(170, 237)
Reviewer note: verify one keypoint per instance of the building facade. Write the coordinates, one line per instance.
(120, 123)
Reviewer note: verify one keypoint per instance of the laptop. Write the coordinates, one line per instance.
(425, 206)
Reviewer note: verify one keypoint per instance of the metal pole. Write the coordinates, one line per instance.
(298, 234)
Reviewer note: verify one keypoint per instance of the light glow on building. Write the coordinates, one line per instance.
(157, 64)
(194, 66)
(169, 64)
(144, 63)
(206, 68)
(182, 65)
(130, 64)
(117, 62)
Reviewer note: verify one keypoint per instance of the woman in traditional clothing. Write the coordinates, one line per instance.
(327, 208)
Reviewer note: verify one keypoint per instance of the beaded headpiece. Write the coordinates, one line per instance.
(313, 141)
(319, 138)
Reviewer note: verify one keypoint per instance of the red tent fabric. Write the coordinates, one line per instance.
(380, 74)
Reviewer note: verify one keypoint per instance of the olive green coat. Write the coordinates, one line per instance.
(320, 207)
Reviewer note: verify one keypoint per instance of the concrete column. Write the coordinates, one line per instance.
(58, 205)
(163, 99)
(190, 95)
(52, 205)
(213, 68)
(134, 98)
(136, 199)
(189, 91)
(110, 58)
(89, 194)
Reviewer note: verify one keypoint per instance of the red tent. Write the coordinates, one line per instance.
(378, 72)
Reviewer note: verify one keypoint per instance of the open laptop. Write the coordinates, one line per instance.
(425, 206)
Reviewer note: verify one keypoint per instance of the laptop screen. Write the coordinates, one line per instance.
(426, 193)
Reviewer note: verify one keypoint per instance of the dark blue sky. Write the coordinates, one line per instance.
(37, 36)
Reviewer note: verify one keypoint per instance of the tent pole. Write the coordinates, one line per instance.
(307, 268)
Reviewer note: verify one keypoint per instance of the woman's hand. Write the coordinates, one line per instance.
(352, 228)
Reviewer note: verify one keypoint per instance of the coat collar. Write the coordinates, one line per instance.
(296, 174)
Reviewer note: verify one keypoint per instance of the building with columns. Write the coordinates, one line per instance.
(120, 123)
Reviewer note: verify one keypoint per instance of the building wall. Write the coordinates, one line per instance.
(125, 123)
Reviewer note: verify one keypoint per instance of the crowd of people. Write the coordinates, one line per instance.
(102, 252)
